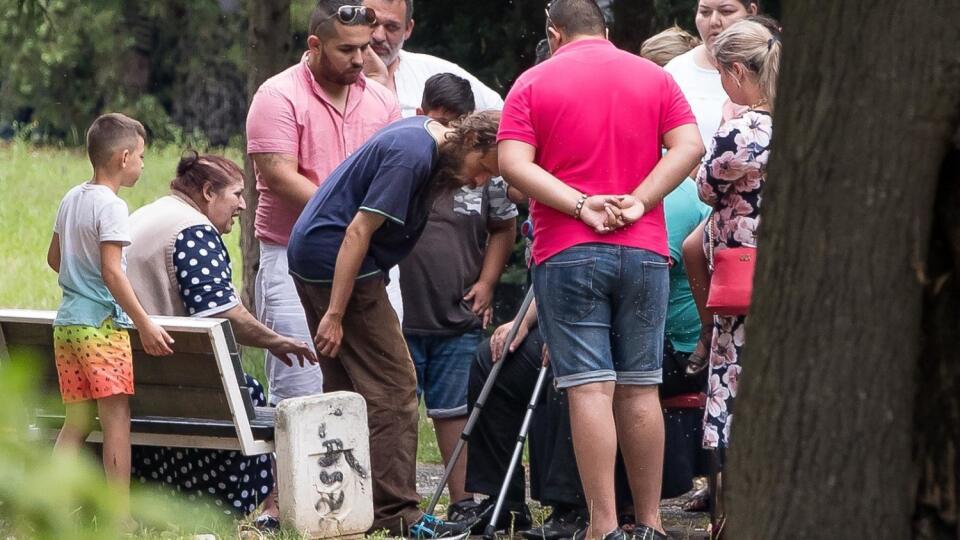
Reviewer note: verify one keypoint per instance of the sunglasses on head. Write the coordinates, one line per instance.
(355, 15)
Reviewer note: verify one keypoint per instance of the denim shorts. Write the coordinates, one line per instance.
(602, 309)
(443, 371)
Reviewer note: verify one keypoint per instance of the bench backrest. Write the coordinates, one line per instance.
(202, 383)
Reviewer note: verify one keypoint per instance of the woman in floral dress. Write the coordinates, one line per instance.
(731, 180)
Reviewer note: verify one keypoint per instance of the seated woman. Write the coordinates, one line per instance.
(179, 266)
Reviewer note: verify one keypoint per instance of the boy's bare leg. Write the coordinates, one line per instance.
(448, 433)
(595, 446)
(115, 423)
(640, 428)
(77, 425)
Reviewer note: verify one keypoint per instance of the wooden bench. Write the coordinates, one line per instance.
(195, 398)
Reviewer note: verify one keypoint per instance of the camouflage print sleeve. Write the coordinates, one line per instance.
(500, 207)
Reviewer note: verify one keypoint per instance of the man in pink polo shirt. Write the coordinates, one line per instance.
(302, 123)
(591, 121)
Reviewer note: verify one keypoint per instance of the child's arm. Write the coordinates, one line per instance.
(155, 339)
(53, 253)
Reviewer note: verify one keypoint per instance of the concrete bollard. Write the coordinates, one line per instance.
(323, 465)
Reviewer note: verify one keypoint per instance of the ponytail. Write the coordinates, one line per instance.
(755, 47)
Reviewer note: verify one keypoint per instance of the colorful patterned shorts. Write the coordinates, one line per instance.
(93, 363)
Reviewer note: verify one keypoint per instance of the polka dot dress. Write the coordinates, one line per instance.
(203, 272)
(224, 480)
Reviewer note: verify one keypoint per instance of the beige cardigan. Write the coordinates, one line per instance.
(153, 233)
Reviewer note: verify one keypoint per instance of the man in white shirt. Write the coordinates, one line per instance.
(406, 74)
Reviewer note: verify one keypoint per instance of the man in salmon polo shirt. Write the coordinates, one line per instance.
(302, 123)
(601, 289)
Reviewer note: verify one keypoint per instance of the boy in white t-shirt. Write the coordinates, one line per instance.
(91, 344)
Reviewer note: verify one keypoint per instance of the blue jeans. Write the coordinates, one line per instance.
(602, 309)
(443, 371)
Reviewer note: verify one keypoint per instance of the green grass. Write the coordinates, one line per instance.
(32, 182)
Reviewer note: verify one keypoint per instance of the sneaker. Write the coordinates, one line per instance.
(560, 525)
(465, 510)
(433, 527)
(476, 515)
(616, 534)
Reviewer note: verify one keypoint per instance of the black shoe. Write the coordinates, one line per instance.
(643, 532)
(560, 525)
(616, 534)
(433, 527)
(266, 523)
(464, 511)
(476, 516)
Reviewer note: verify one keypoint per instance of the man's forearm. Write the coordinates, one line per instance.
(537, 183)
(499, 247)
(294, 190)
(349, 260)
(669, 172)
(280, 173)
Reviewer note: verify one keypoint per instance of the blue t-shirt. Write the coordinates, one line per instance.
(684, 212)
(389, 175)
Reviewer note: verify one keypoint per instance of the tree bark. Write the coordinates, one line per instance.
(268, 48)
(634, 21)
(847, 416)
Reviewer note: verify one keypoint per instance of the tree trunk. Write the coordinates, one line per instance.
(847, 417)
(268, 50)
(634, 21)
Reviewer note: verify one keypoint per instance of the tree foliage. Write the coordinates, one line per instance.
(180, 66)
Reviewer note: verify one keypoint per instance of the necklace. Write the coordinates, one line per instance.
(763, 101)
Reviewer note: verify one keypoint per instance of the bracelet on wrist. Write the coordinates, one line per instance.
(580, 202)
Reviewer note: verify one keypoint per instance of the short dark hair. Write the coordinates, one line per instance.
(577, 17)
(322, 19)
(408, 4)
(109, 133)
(450, 92)
(196, 170)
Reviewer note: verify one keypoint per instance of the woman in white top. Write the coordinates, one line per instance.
(697, 76)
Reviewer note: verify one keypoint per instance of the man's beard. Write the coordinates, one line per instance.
(391, 55)
(328, 73)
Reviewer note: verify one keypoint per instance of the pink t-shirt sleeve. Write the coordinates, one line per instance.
(272, 125)
(674, 109)
(516, 121)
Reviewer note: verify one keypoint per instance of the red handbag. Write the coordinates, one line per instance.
(731, 277)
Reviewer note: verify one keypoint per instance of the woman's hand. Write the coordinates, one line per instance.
(329, 335)
(298, 349)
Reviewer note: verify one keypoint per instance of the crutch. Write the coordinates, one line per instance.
(491, 530)
(422, 528)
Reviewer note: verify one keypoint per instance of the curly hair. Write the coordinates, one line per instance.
(474, 132)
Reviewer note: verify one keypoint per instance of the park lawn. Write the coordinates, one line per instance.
(32, 182)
